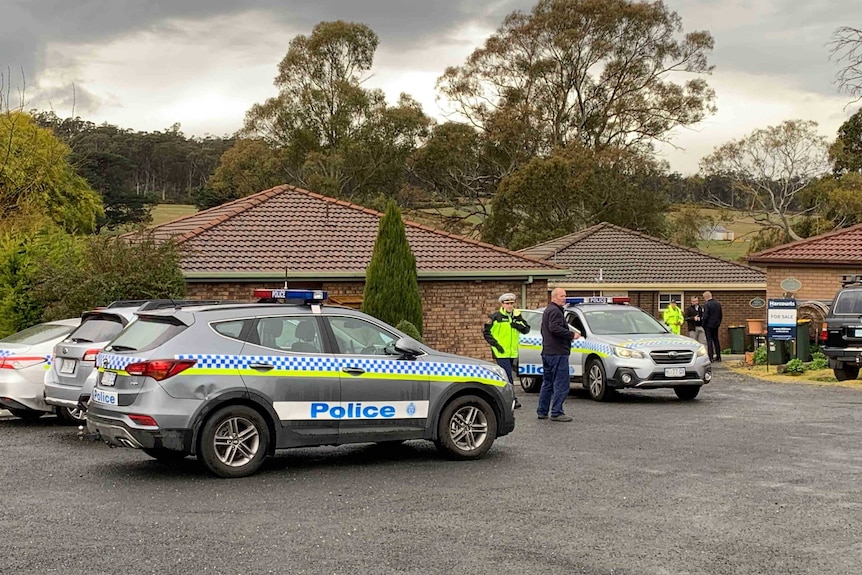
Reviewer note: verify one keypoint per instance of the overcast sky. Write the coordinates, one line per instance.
(146, 64)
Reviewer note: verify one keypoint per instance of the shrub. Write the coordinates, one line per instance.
(391, 282)
(794, 367)
(818, 363)
(760, 355)
(410, 329)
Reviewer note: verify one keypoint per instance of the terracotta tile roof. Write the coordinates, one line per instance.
(628, 257)
(287, 227)
(842, 246)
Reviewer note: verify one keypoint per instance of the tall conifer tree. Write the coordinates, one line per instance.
(391, 285)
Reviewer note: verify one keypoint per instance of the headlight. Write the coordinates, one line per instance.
(701, 351)
(628, 353)
(499, 371)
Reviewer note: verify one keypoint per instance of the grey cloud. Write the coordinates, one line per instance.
(29, 25)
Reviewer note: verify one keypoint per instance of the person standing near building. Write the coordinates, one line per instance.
(502, 333)
(711, 320)
(557, 339)
(693, 315)
(672, 317)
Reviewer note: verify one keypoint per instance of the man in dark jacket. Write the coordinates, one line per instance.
(711, 320)
(502, 333)
(556, 348)
(693, 315)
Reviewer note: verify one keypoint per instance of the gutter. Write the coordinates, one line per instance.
(279, 275)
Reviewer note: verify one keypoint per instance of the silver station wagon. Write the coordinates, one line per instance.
(231, 384)
(621, 346)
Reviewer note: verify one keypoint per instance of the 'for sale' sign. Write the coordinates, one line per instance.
(781, 319)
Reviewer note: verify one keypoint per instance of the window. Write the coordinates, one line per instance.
(358, 337)
(533, 319)
(848, 302)
(297, 334)
(38, 334)
(231, 328)
(665, 298)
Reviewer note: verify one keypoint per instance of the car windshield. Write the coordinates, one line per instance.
(38, 334)
(533, 318)
(623, 321)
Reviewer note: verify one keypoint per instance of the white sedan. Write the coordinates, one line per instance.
(24, 357)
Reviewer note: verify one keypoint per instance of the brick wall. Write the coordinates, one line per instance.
(454, 311)
(818, 283)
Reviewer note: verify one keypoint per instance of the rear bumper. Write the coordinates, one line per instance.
(851, 355)
(120, 433)
(67, 395)
(16, 392)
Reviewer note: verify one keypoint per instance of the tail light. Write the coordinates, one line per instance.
(823, 332)
(143, 420)
(90, 355)
(20, 362)
(160, 369)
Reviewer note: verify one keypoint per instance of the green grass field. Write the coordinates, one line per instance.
(167, 212)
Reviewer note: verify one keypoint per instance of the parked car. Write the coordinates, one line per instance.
(842, 329)
(233, 384)
(621, 346)
(70, 380)
(24, 357)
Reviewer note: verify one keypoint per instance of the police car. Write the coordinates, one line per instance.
(620, 346)
(231, 384)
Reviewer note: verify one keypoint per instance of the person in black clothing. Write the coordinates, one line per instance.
(692, 318)
(711, 320)
(557, 339)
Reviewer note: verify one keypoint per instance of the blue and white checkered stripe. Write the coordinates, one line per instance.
(5, 352)
(115, 362)
(281, 362)
(328, 364)
(585, 345)
(581, 345)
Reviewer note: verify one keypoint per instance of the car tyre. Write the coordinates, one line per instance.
(72, 415)
(597, 381)
(467, 428)
(686, 392)
(846, 372)
(531, 384)
(164, 455)
(234, 441)
(27, 414)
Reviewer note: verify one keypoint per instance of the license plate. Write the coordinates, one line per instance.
(108, 378)
(68, 365)
(104, 397)
(674, 372)
(858, 333)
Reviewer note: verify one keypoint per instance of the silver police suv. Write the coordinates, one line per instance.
(620, 346)
(233, 384)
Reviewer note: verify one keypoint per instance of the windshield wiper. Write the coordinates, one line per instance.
(123, 348)
(82, 340)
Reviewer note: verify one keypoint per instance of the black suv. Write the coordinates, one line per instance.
(843, 329)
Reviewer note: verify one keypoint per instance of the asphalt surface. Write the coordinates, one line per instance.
(752, 477)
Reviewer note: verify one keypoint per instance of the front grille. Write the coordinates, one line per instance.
(673, 356)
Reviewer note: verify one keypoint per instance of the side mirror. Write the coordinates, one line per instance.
(408, 347)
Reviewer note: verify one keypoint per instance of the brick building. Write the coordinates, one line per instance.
(816, 263)
(312, 241)
(609, 260)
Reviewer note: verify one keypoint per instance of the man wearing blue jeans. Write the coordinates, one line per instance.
(556, 348)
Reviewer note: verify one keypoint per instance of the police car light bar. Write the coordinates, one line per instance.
(307, 296)
(597, 299)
